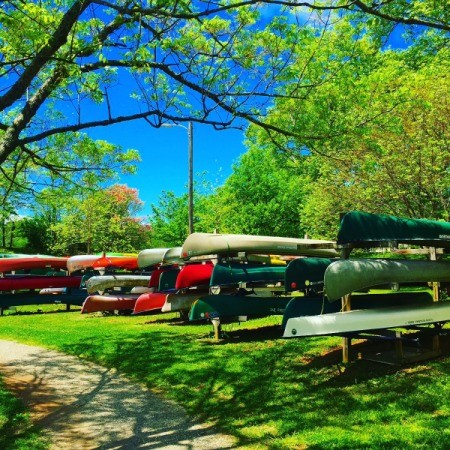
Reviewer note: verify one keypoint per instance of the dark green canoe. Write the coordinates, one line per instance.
(226, 306)
(313, 306)
(225, 273)
(168, 279)
(360, 229)
(305, 273)
(76, 297)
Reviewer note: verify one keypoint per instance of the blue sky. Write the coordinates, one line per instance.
(164, 156)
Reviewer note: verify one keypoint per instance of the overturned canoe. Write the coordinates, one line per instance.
(193, 275)
(180, 301)
(314, 306)
(104, 303)
(168, 279)
(224, 306)
(361, 229)
(225, 274)
(306, 273)
(32, 262)
(102, 261)
(103, 282)
(159, 256)
(13, 283)
(149, 302)
(368, 319)
(348, 275)
(200, 244)
(71, 297)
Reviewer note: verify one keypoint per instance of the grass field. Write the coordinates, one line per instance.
(269, 392)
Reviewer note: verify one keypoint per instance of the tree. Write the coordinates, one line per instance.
(210, 62)
(102, 221)
(263, 196)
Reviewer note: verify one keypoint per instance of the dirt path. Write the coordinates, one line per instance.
(85, 406)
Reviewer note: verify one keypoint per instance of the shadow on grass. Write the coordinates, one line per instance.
(283, 393)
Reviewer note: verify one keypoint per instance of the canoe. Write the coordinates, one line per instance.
(306, 273)
(149, 302)
(103, 282)
(348, 275)
(15, 283)
(103, 303)
(159, 256)
(32, 262)
(102, 261)
(360, 229)
(225, 274)
(72, 297)
(193, 275)
(167, 279)
(368, 319)
(182, 301)
(226, 306)
(314, 306)
(199, 244)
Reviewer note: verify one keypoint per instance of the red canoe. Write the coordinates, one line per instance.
(95, 303)
(118, 262)
(193, 275)
(152, 301)
(38, 282)
(32, 262)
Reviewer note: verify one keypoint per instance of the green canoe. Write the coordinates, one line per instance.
(360, 229)
(168, 279)
(226, 306)
(313, 306)
(306, 273)
(234, 272)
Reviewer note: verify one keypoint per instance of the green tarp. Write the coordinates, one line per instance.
(360, 229)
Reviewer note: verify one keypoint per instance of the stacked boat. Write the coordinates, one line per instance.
(37, 279)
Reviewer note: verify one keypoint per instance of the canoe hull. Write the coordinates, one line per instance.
(159, 256)
(149, 302)
(181, 301)
(200, 244)
(314, 306)
(193, 275)
(302, 273)
(104, 303)
(368, 319)
(38, 282)
(225, 306)
(348, 275)
(103, 282)
(225, 274)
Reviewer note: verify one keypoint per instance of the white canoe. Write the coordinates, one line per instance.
(181, 301)
(154, 256)
(103, 282)
(199, 244)
(348, 275)
(367, 319)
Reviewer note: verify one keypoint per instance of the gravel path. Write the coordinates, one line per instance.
(85, 406)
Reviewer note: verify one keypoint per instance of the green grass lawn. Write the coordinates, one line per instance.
(267, 391)
(16, 429)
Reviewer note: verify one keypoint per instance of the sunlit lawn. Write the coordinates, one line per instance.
(267, 391)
